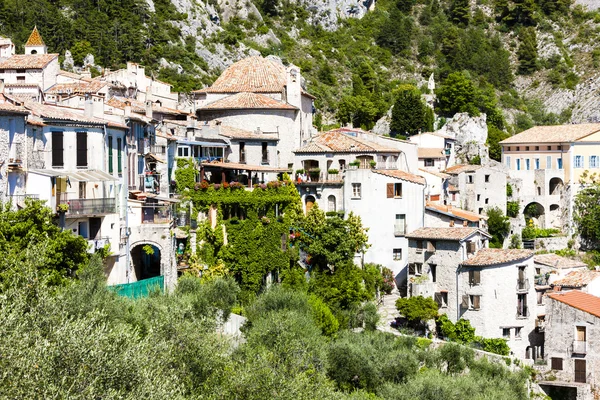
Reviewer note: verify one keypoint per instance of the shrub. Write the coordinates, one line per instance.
(497, 346)
(417, 309)
(476, 160)
(512, 209)
(509, 190)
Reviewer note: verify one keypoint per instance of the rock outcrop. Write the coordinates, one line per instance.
(470, 134)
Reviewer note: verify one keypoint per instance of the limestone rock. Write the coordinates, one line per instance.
(68, 63)
(382, 126)
(89, 61)
(470, 134)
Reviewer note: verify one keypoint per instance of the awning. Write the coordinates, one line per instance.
(81, 176)
(203, 143)
(154, 157)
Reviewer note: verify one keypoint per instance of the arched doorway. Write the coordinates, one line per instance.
(145, 258)
(535, 212)
(331, 206)
(309, 202)
(555, 186)
(365, 161)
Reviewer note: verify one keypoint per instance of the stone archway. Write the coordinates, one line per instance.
(535, 211)
(309, 202)
(146, 260)
(555, 186)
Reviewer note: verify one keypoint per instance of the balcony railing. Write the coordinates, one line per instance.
(522, 285)
(149, 183)
(157, 215)
(16, 154)
(522, 312)
(158, 150)
(399, 230)
(82, 207)
(579, 347)
(19, 199)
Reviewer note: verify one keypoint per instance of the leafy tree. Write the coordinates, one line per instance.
(417, 309)
(495, 136)
(461, 332)
(498, 226)
(358, 110)
(527, 53)
(80, 50)
(512, 209)
(410, 114)
(396, 32)
(587, 214)
(460, 12)
(457, 94)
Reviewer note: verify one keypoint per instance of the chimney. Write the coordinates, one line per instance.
(191, 121)
(88, 109)
(293, 89)
(148, 109)
(127, 109)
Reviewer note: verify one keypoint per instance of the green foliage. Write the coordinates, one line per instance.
(497, 346)
(373, 280)
(498, 226)
(475, 160)
(527, 53)
(509, 190)
(410, 114)
(80, 50)
(495, 136)
(457, 94)
(461, 332)
(388, 280)
(512, 209)
(533, 232)
(417, 309)
(587, 215)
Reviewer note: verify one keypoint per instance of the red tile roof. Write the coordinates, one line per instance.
(252, 74)
(50, 112)
(577, 279)
(454, 211)
(35, 39)
(246, 100)
(556, 261)
(460, 168)
(579, 300)
(77, 87)
(487, 257)
(28, 61)
(431, 152)
(398, 174)
(12, 109)
(236, 133)
(338, 142)
(435, 173)
(553, 134)
(454, 234)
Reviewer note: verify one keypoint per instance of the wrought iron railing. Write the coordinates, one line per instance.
(89, 206)
(149, 183)
(157, 214)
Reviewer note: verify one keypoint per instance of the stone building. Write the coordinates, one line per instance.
(13, 154)
(441, 216)
(583, 280)
(572, 345)
(441, 143)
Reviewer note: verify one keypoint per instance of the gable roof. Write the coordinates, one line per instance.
(579, 300)
(553, 134)
(460, 168)
(488, 257)
(35, 39)
(431, 152)
(77, 87)
(454, 212)
(247, 100)
(28, 61)
(453, 234)
(577, 279)
(251, 74)
(338, 142)
(56, 113)
(556, 261)
(7, 108)
(435, 173)
(398, 174)
(236, 133)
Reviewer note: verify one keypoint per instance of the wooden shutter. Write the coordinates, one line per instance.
(476, 277)
(470, 247)
(82, 159)
(465, 301)
(411, 269)
(521, 274)
(581, 333)
(431, 246)
(476, 302)
(438, 298)
(57, 149)
(557, 363)
(390, 190)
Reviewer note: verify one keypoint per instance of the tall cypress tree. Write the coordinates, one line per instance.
(527, 52)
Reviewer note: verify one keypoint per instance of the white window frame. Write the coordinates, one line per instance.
(578, 162)
(397, 254)
(593, 161)
(356, 190)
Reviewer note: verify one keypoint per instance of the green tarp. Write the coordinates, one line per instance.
(140, 288)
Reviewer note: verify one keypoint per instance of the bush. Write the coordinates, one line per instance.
(512, 209)
(509, 190)
(418, 309)
(497, 346)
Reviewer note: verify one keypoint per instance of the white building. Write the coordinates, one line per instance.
(436, 143)
(7, 47)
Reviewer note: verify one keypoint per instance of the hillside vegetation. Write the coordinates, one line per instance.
(501, 57)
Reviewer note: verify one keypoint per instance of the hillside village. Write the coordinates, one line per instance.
(110, 155)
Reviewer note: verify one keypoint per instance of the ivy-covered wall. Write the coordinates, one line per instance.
(257, 224)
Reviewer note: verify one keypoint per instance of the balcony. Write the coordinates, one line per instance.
(157, 214)
(522, 285)
(88, 207)
(158, 150)
(579, 347)
(16, 155)
(19, 199)
(149, 183)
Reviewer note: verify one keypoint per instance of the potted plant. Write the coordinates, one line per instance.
(373, 163)
(333, 171)
(314, 173)
(62, 208)
(355, 164)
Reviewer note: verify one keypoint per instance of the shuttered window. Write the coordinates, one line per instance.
(57, 149)
(474, 277)
(119, 158)
(475, 302)
(390, 190)
(110, 155)
(465, 301)
(82, 159)
(557, 363)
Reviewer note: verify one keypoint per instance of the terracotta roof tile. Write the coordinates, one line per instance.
(454, 212)
(579, 300)
(435, 173)
(50, 112)
(556, 261)
(73, 75)
(10, 108)
(28, 61)
(431, 152)
(252, 74)
(35, 39)
(454, 234)
(236, 133)
(577, 279)
(452, 188)
(246, 100)
(398, 174)
(337, 142)
(460, 168)
(486, 257)
(553, 134)
(77, 87)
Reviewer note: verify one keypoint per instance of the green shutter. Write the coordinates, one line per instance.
(119, 158)
(110, 155)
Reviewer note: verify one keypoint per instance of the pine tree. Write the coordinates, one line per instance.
(460, 12)
(410, 114)
(527, 52)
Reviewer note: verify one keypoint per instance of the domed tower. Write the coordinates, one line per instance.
(35, 44)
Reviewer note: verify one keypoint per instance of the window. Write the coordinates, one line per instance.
(183, 151)
(478, 197)
(578, 161)
(57, 150)
(110, 155)
(331, 206)
(265, 153)
(356, 190)
(527, 164)
(242, 152)
(507, 148)
(537, 163)
(487, 201)
(393, 190)
(82, 160)
(397, 189)
(433, 270)
(441, 298)
(474, 277)
(397, 255)
(518, 148)
(470, 179)
(400, 225)
(20, 79)
(474, 302)
(415, 269)
(540, 298)
(429, 162)
(593, 161)
(419, 246)
(481, 210)
(471, 247)
(522, 310)
(548, 162)
(430, 246)
(559, 163)
(82, 190)
(518, 332)
(549, 147)
(487, 178)
(526, 148)
(506, 333)
(518, 164)
(119, 155)
(537, 148)
(508, 162)
(342, 165)
(556, 363)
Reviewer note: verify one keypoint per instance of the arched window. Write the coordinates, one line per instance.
(331, 203)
